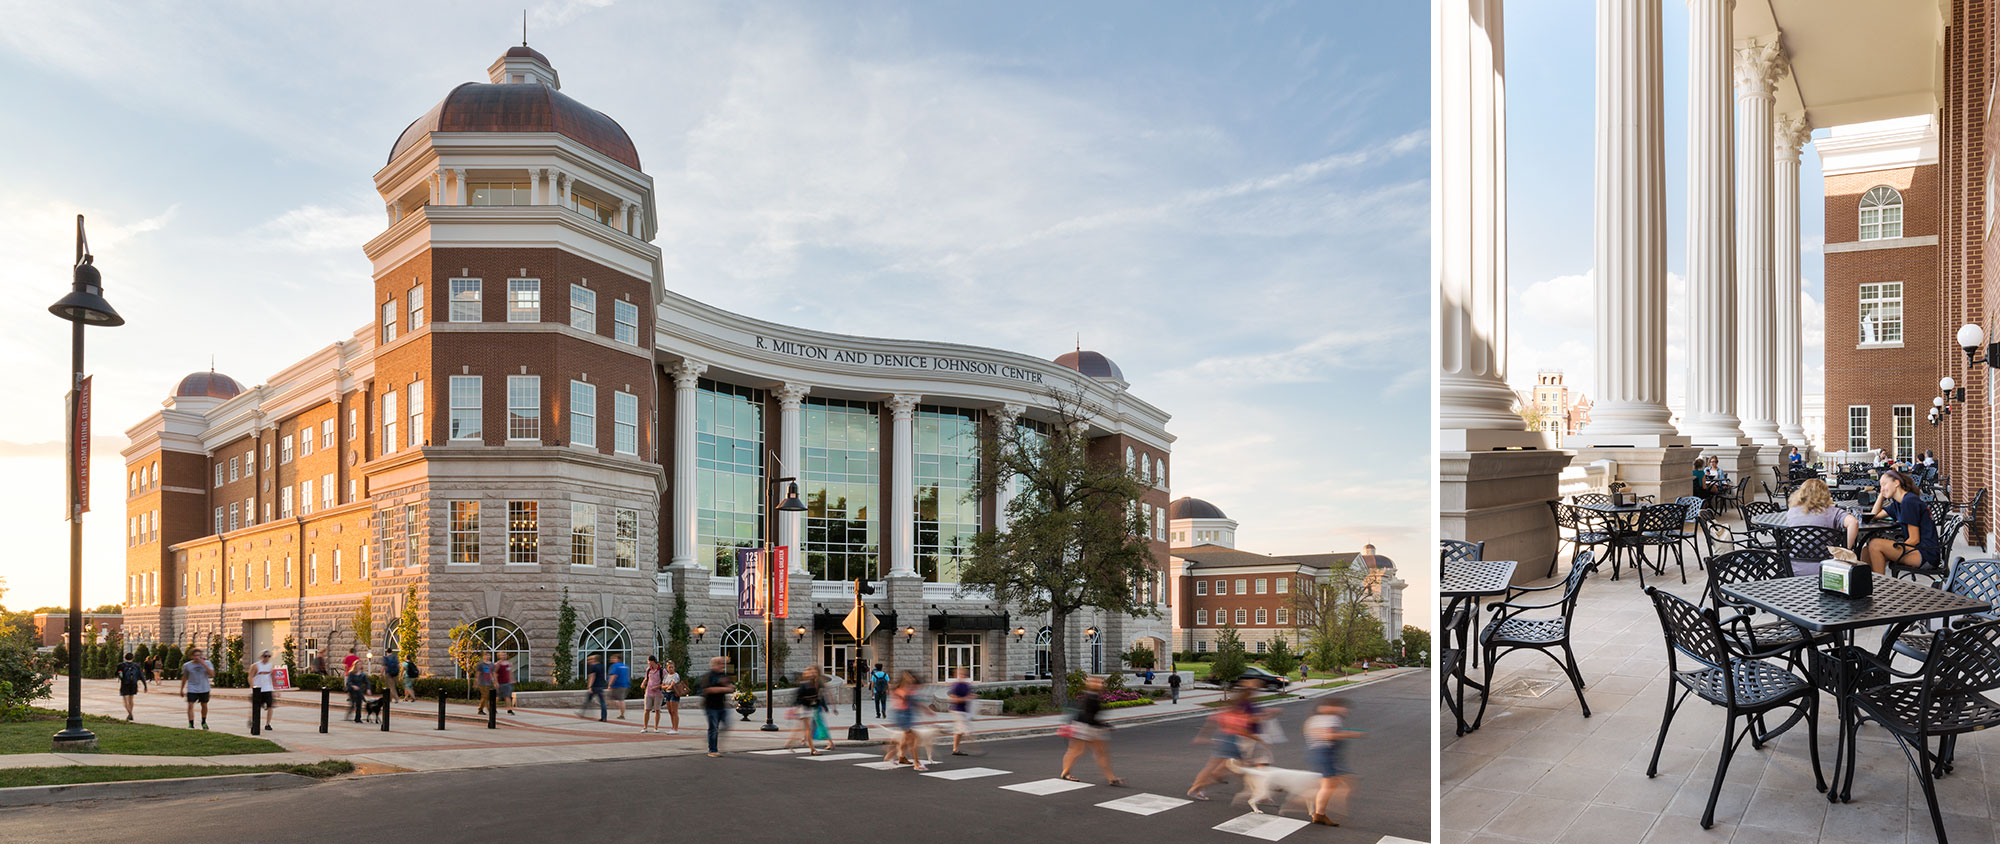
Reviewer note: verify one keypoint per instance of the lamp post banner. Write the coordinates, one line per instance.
(749, 593)
(781, 578)
(80, 450)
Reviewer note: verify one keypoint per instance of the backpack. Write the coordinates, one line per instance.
(128, 672)
(880, 680)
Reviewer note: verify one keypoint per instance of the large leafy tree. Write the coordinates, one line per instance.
(1074, 538)
(1333, 610)
(1416, 646)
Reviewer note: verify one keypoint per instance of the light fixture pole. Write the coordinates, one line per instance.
(84, 305)
(791, 504)
(859, 732)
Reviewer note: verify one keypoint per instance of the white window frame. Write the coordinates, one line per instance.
(1874, 210)
(524, 536)
(466, 299)
(524, 392)
(1201, 588)
(1242, 586)
(1284, 585)
(1242, 616)
(583, 414)
(1874, 299)
(389, 309)
(416, 299)
(1263, 616)
(218, 476)
(583, 308)
(1200, 618)
(327, 489)
(1263, 585)
(625, 541)
(232, 470)
(624, 322)
(336, 565)
(306, 440)
(306, 497)
(389, 419)
(1857, 443)
(624, 423)
(1283, 616)
(524, 300)
(326, 433)
(463, 533)
(285, 450)
(234, 517)
(466, 388)
(284, 502)
(416, 413)
(582, 533)
(312, 569)
(1903, 431)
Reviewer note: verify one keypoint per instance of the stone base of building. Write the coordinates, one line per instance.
(1666, 473)
(1501, 498)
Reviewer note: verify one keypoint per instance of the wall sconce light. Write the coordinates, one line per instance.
(800, 632)
(1020, 632)
(1950, 389)
(1090, 631)
(699, 631)
(909, 633)
(1970, 337)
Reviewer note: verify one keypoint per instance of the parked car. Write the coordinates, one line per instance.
(1271, 680)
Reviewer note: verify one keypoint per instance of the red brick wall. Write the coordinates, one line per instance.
(1881, 378)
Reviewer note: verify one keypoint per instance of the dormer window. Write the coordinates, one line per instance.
(501, 193)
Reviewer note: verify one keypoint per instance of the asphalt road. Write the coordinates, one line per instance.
(750, 797)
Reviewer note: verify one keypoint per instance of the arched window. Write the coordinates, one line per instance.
(1881, 213)
(1131, 463)
(603, 637)
(739, 646)
(1042, 652)
(503, 637)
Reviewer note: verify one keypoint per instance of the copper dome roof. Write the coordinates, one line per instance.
(210, 384)
(526, 52)
(521, 107)
(1193, 508)
(1091, 363)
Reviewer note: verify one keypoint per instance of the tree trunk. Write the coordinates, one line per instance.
(1058, 658)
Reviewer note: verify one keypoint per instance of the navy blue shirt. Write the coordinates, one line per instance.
(596, 676)
(1911, 511)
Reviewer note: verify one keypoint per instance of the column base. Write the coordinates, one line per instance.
(1666, 473)
(1501, 498)
(1490, 439)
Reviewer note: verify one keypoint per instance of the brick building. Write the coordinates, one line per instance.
(52, 628)
(530, 415)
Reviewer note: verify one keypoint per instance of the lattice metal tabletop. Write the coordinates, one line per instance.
(1773, 521)
(1476, 578)
(1629, 509)
(1800, 601)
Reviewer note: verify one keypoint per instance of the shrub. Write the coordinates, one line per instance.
(1230, 660)
(1121, 704)
(1141, 658)
(1281, 659)
(1074, 682)
(24, 677)
(1114, 681)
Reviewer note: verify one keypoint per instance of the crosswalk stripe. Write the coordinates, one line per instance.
(835, 757)
(780, 752)
(1044, 788)
(1391, 839)
(1144, 804)
(1265, 827)
(967, 773)
(880, 766)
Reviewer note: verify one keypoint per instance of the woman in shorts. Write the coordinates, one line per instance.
(654, 684)
(672, 699)
(1324, 733)
(503, 683)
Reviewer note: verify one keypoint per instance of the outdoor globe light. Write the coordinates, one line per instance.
(1939, 401)
(1970, 336)
(1946, 383)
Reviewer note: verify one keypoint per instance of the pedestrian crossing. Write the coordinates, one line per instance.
(1254, 825)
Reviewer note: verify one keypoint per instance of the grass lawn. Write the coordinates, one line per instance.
(116, 735)
(1333, 685)
(71, 774)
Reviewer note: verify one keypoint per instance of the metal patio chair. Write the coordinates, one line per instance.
(1510, 631)
(1940, 701)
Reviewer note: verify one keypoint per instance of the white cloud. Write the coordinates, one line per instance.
(314, 228)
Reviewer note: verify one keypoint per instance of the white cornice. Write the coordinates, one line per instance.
(1881, 145)
(514, 227)
(1884, 243)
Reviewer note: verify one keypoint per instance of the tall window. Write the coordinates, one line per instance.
(284, 502)
(1857, 428)
(232, 469)
(326, 433)
(624, 423)
(739, 646)
(388, 422)
(1240, 614)
(465, 532)
(625, 548)
(1200, 617)
(218, 476)
(416, 307)
(524, 300)
(624, 322)
(416, 413)
(1263, 616)
(388, 322)
(218, 520)
(285, 451)
(947, 466)
(524, 407)
(306, 441)
(603, 638)
(465, 407)
(1284, 615)
(1881, 213)
(1201, 587)
(305, 498)
(1881, 312)
(582, 534)
(729, 472)
(465, 300)
(326, 491)
(582, 308)
(583, 414)
(336, 565)
(841, 480)
(1903, 419)
(524, 531)
(499, 193)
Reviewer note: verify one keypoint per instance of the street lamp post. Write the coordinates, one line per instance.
(84, 305)
(859, 732)
(791, 504)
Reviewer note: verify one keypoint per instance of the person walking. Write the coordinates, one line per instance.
(129, 675)
(879, 682)
(1174, 687)
(195, 674)
(263, 689)
(961, 695)
(392, 673)
(621, 683)
(593, 673)
(906, 697)
(716, 687)
(1324, 733)
(1088, 732)
(503, 682)
(146, 672)
(319, 664)
(676, 688)
(483, 684)
(357, 690)
(410, 679)
(652, 685)
(348, 663)
(1228, 731)
(811, 703)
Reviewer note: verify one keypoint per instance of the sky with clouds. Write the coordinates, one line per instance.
(1227, 199)
(1550, 150)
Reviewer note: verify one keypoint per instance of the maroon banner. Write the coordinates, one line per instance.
(780, 583)
(80, 450)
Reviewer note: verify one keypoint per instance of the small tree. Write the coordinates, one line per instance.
(364, 624)
(408, 628)
(291, 655)
(464, 649)
(236, 654)
(677, 635)
(1230, 659)
(565, 640)
(1280, 658)
(1416, 646)
(1075, 538)
(61, 658)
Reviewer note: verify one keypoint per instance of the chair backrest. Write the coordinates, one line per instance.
(1947, 531)
(1583, 498)
(1962, 660)
(1743, 566)
(1977, 579)
(1978, 498)
(1565, 515)
(1694, 632)
(1580, 567)
(1459, 550)
(1808, 543)
(1939, 509)
(1662, 517)
(1758, 508)
(1693, 505)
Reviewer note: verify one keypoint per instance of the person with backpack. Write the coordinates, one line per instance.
(1174, 687)
(410, 681)
(879, 682)
(653, 684)
(129, 675)
(392, 672)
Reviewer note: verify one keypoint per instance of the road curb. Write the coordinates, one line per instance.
(36, 795)
(1138, 720)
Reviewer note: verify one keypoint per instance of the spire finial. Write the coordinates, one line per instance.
(1079, 342)
(524, 27)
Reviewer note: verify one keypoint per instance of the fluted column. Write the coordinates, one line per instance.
(458, 180)
(1629, 268)
(686, 375)
(1758, 68)
(1792, 133)
(1005, 417)
(1710, 414)
(790, 396)
(902, 500)
(1469, 227)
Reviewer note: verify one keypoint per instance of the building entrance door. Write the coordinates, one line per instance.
(955, 651)
(836, 649)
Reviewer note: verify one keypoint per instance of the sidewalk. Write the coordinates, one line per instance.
(526, 737)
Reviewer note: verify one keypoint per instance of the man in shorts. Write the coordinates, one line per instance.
(503, 678)
(621, 682)
(961, 694)
(129, 675)
(195, 673)
(653, 682)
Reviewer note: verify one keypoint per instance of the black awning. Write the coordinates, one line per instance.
(831, 621)
(978, 621)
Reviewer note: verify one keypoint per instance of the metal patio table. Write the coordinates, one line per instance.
(1870, 528)
(1471, 580)
(1896, 604)
(1622, 523)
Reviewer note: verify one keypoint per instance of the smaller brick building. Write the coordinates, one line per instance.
(52, 628)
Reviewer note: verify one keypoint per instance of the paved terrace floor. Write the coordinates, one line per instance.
(528, 737)
(1537, 770)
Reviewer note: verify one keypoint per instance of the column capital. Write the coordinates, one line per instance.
(790, 394)
(901, 404)
(687, 372)
(1758, 68)
(1009, 412)
(1789, 134)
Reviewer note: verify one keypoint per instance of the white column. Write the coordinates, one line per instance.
(902, 501)
(437, 187)
(544, 186)
(1758, 68)
(1792, 133)
(685, 517)
(567, 183)
(1005, 417)
(1630, 235)
(1469, 227)
(790, 396)
(458, 176)
(1710, 413)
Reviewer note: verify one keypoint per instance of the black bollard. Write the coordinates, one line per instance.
(493, 714)
(441, 696)
(325, 702)
(256, 717)
(385, 712)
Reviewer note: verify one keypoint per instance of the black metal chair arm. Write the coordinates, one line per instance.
(1495, 607)
(1878, 663)
(1738, 645)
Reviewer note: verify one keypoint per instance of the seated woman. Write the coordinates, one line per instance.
(1701, 486)
(1918, 542)
(1813, 505)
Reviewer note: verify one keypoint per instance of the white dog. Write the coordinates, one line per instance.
(925, 737)
(1262, 784)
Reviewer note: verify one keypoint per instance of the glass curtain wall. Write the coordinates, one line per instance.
(841, 482)
(729, 472)
(947, 469)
